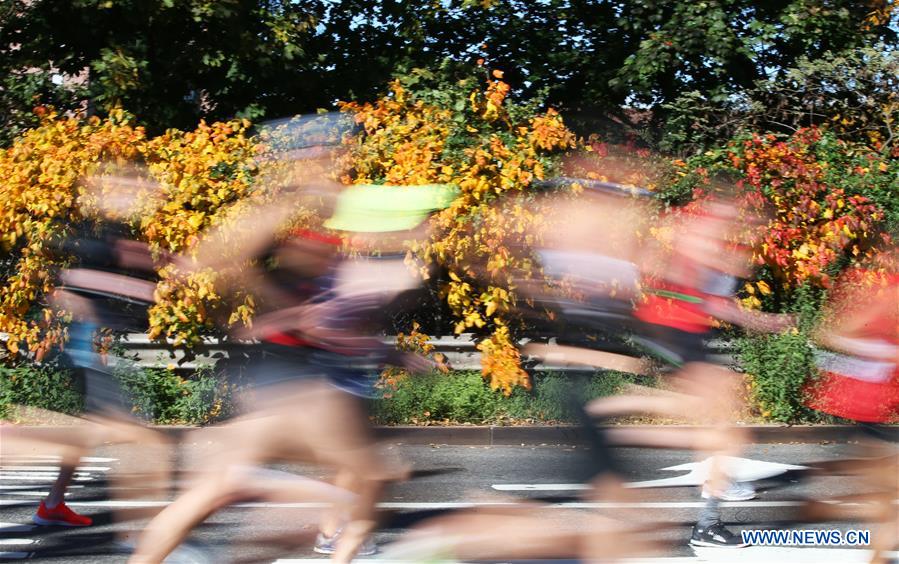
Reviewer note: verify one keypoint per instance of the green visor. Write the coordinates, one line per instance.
(367, 208)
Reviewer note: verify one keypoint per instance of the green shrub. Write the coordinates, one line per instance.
(464, 397)
(47, 386)
(781, 365)
(162, 396)
(457, 396)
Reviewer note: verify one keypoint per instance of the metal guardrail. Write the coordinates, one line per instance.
(460, 351)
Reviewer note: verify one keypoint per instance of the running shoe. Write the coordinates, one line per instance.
(716, 535)
(737, 491)
(61, 516)
(328, 545)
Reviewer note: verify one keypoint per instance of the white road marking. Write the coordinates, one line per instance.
(455, 504)
(32, 493)
(541, 487)
(15, 528)
(52, 468)
(750, 555)
(794, 555)
(739, 469)
(42, 477)
(17, 541)
(13, 489)
(449, 504)
(51, 458)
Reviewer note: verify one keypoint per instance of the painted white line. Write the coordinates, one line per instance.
(794, 555)
(51, 458)
(39, 477)
(29, 459)
(751, 555)
(449, 504)
(457, 504)
(38, 474)
(17, 541)
(15, 528)
(362, 559)
(52, 469)
(541, 487)
(13, 489)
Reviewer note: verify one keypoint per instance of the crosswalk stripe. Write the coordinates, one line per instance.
(451, 504)
(79, 469)
(15, 528)
(52, 458)
(13, 489)
(460, 504)
(43, 477)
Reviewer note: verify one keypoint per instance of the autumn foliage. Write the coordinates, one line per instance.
(201, 174)
(488, 150)
(204, 176)
(828, 202)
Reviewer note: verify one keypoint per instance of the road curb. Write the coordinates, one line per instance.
(495, 435)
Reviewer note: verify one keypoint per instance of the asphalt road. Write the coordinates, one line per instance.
(446, 478)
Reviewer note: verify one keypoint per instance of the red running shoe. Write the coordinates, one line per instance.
(60, 515)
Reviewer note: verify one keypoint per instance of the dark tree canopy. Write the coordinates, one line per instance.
(172, 62)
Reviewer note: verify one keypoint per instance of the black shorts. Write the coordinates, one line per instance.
(275, 364)
(673, 346)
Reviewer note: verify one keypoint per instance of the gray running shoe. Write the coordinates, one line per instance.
(328, 545)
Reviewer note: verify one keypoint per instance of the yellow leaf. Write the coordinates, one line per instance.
(196, 220)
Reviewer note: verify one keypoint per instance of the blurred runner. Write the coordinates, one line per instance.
(520, 530)
(109, 287)
(859, 381)
(663, 299)
(694, 287)
(318, 323)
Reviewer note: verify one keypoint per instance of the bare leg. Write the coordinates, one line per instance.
(57, 492)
